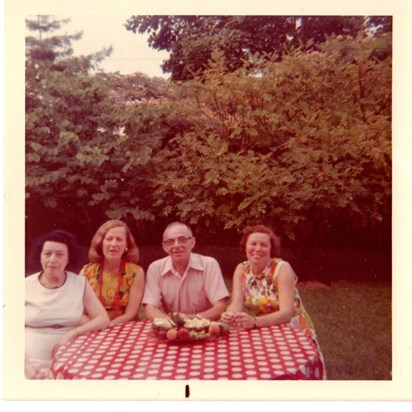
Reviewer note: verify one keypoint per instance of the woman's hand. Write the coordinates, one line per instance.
(228, 317)
(63, 340)
(33, 372)
(244, 321)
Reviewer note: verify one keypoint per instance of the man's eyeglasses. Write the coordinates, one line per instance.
(181, 240)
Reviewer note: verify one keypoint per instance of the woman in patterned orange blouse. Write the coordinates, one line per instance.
(264, 287)
(113, 273)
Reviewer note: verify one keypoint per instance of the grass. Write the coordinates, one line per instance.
(353, 324)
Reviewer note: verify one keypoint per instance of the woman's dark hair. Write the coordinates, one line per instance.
(59, 236)
(274, 240)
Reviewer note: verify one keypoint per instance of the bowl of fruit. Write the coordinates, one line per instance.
(176, 328)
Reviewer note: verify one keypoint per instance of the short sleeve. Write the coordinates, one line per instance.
(215, 286)
(152, 291)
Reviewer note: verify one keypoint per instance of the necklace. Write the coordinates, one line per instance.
(115, 305)
(46, 283)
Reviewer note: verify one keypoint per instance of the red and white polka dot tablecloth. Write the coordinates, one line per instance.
(129, 351)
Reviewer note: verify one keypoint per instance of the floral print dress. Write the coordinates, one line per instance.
(261, 296)
(114, 297)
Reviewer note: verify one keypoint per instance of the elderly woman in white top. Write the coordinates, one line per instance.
(55, 300)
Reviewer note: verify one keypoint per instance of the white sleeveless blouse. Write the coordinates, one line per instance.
(49, 314)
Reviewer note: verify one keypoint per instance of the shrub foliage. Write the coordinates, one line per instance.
(302, 143)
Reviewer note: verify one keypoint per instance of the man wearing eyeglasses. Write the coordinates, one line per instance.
(183, 281)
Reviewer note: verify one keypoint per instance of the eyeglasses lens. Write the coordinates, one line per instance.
(180, 241)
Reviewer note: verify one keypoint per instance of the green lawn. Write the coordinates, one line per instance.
(354, 328)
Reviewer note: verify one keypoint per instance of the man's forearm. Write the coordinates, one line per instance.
(152, 312)
(215, 311)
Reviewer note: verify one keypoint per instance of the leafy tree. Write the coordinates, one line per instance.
(191, 40)
(302, 142)
(305, 144)
(134, 88)
(48, 49)
(76, 170)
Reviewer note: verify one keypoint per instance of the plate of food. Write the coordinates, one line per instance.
(175, 328)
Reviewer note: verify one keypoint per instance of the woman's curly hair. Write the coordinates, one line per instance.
(274, 240)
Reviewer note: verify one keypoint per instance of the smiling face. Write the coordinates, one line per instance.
(114, 243)
(54, 257)
(258, 249)
(181, 243)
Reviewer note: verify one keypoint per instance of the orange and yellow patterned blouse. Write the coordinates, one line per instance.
(110, 286)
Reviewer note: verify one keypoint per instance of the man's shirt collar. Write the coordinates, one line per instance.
(195, 262)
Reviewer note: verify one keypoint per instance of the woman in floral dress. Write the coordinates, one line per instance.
(113, 273)
(264, 289)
